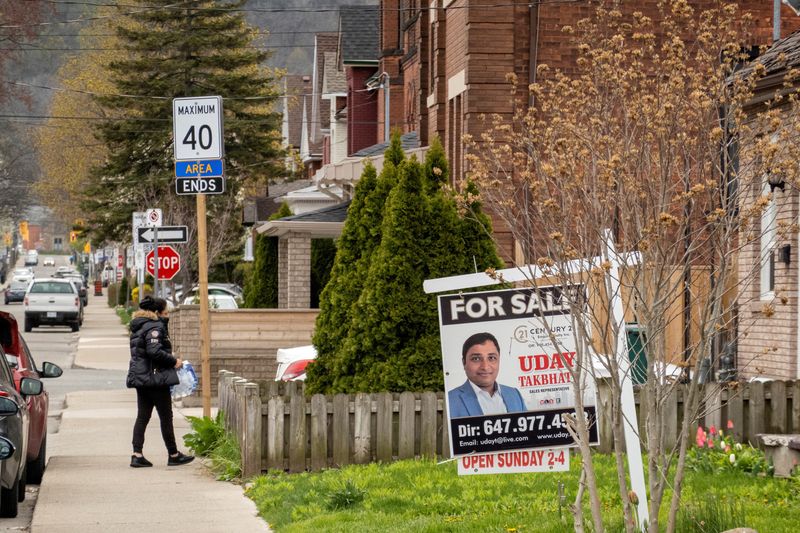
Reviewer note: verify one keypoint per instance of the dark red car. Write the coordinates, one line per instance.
(23, 366)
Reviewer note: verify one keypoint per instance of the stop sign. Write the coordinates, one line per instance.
(169, 262)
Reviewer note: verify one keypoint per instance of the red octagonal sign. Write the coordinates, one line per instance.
(169, 262)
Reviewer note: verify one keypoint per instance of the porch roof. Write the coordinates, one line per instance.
(322, 223)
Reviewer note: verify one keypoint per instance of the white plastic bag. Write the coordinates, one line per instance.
(187, 382)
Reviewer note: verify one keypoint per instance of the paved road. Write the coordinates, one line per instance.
(57, 345)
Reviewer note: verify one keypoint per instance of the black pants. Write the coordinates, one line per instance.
(146, 399)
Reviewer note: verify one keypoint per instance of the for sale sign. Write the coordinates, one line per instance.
(509, 359)
(515, 462)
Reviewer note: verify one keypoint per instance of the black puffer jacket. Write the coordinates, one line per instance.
(152, 363)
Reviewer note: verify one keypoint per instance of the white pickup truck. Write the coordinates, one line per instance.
(53, 302)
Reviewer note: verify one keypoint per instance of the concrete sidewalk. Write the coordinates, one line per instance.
(89, 486)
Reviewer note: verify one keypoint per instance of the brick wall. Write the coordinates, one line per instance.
(243, 341)
(298, 257)
(362, 110)
(767, 345)
(283, 273)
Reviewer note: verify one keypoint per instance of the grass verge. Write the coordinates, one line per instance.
(421, 496)
(124, 315)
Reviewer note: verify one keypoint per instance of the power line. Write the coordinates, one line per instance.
(42, 49)
(92, 93)
(12, 118)
(318, 9)
(194, 31)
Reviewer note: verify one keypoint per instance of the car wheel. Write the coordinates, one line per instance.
(23, 483)
(28, 325)
(35, 468)
(9, 504)
(76, 326)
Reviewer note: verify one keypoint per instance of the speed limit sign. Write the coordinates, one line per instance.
(197, 128)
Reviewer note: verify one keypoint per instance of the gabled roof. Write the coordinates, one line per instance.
(782, 55)
(295, 86)
(320, 109)
(333, 79)
(409, 141)
(359, 29)
(258, 209)
(334, 213)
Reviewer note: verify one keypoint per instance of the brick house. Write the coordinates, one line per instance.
(769, 342)
(448, 61)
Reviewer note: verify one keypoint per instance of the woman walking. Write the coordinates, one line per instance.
(151, 372)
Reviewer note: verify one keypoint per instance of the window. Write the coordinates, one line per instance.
(31, 360)
(52, 287)
(767, 254)
(6, 377)
(409, 9)
(456, 127)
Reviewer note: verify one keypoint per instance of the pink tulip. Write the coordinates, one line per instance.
(701, 437)
(710, 443)
(712, 430)
(730, 424)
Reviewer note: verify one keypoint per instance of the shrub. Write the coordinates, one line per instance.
(148, 289)
(122, 295)
(261, 288)
(377, 330)
(111, 294)
(347, 495)
(210, 439)
(207, 433)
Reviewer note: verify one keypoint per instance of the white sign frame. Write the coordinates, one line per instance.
(197, 118)
(139, 220)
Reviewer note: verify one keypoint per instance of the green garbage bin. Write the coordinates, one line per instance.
(637, 340)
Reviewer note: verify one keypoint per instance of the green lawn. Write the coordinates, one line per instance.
(420, 496)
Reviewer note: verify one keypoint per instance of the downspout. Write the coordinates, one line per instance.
(797, 315)
(533, 48)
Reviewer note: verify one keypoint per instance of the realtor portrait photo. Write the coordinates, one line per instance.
(481, 394)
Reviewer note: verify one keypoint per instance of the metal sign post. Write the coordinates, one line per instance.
(155, 261)
(197, 133)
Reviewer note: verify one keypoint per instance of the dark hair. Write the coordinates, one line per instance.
(156, 305)
(478, 338)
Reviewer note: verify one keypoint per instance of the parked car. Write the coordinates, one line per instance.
(63, 269)
(22, 272)
(15, 292)
(108, 275)
(14, 426)
(32, 258)
(214, 289)
(49, 261)
(292, 362)
(23, 365)
(52, 301)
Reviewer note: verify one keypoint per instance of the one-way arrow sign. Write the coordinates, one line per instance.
(166, 235)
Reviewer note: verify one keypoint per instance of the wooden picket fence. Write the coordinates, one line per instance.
(278, 427)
